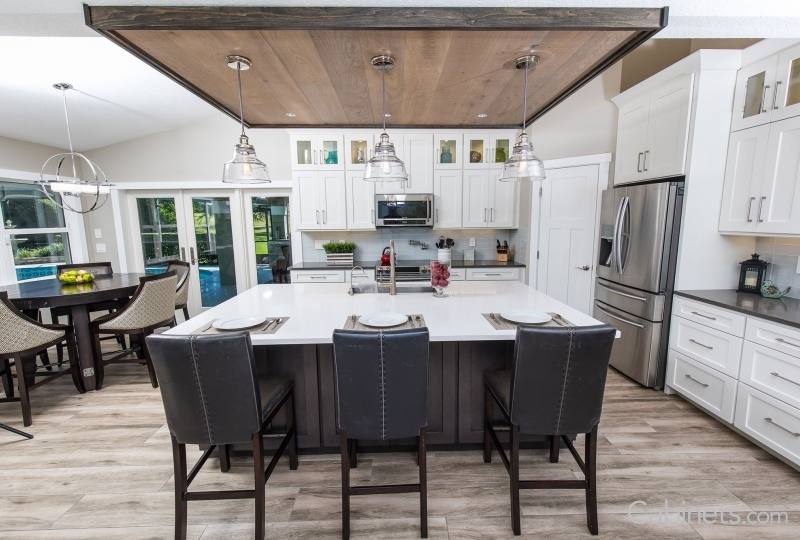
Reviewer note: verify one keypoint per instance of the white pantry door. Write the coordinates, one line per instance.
(567, 235)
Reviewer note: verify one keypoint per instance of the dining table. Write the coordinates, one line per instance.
(31, 296)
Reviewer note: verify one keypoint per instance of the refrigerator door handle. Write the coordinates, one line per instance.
(624, 217)
(626, 321)
(614, 262)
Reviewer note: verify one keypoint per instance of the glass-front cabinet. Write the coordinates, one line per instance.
(358, 149)
(475, 146)
(317, 151)
(487, 149)
(448, 153)
(787, 84)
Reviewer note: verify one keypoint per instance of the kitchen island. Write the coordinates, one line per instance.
(463, 346)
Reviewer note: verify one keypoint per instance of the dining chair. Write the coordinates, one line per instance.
(213, 397)
(381, 394)
(21, 337)
(152, 306)
(181, 269)
(554, 388)
(99, 270)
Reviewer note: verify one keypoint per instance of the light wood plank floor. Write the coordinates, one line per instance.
(100, 467)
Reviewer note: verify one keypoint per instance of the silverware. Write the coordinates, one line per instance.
(419, 321)
(411, 321)
(204, 329)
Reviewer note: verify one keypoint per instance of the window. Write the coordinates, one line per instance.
(271, 239)
(35, 230)
(158, 224)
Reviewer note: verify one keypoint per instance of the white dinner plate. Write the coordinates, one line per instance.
(384, 319)
(239, 323)
(527, 317)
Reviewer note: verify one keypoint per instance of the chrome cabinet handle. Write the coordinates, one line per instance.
(750, 209)
(316, 213)
(709, 317)
(775, 94)
(787, 379)
(639, 162)
(484, 215)
(709, 347)
(760, 207)
(777, 425)
(585, 267)
(764, 98)
(626, 321)
(436, 215)
(183, 253)
(491, 215)
(701, 383)
(191, 254)
(785, 342)
(372, 216)
(644, 162)
(324, 217)
(609, 289)
(492, 274)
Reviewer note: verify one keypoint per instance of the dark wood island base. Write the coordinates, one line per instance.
(455, 394)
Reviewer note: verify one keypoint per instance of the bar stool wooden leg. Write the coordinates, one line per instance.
(293, 442)
(150, 370)
(22, 386)
(343, 446)
(224, 457)
(515, 517)
(555, 445)
(591, 480)
(423, 485)
(260, 484)
(487, 417)
(352, 452)
(179, 464)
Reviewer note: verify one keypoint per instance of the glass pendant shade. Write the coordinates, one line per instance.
(384, 164)
(522, 164)
(245, 167)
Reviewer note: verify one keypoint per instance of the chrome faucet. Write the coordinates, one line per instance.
(392, 276)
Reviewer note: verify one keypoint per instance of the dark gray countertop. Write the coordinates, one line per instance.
(322, 265)
(782, 310)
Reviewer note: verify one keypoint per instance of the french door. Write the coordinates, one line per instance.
(203, 228)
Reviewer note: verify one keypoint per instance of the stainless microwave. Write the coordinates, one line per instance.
(402, 210)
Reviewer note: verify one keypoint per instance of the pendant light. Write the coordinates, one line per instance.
(245, 167)
(522, 163)
(384, 165)
(66, 191)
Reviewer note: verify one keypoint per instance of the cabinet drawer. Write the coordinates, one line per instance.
(458, 274)
(708, 315)
(772, 372)
(318, 276)
(768, 420)
(711, 347)
(773, 335)
(493, 274)
(704, 386)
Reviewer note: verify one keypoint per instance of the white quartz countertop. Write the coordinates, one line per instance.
(315, 310)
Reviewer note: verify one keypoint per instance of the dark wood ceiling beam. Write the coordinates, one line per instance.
(107, 18)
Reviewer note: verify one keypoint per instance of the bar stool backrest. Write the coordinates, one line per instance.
(381, 383)
(97, 269)
(208, 386)
(152, 305)
(558, 378)
(18, 333)
(181, 270)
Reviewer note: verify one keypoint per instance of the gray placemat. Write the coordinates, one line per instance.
(499, 323)
(414, 321)
(269, 327)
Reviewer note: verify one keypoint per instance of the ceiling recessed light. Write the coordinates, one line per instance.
(482, 115)
(291, 114)
(387, 115)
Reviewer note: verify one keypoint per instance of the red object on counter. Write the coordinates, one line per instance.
(386, 258)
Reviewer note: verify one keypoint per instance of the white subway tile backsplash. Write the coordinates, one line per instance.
(782, 254)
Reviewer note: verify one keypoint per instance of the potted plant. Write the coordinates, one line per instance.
(339, 253)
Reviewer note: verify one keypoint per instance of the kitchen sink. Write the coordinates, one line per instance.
(372, 288)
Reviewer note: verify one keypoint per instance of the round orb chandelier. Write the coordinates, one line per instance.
(88, 179)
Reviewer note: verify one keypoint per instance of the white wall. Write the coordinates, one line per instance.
(24, 156)
(585, 123)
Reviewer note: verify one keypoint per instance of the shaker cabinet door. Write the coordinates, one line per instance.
(333, 209)
(503, 211)
(360, 201)
(752, 102)
(779, 198)
(447, 199)
(668, 129)
(308, 199)
(476, 199)
(747, 152)
(631, 140)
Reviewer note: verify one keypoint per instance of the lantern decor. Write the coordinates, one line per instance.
(751, 275)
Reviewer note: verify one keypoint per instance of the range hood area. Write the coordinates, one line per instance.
(455, 65)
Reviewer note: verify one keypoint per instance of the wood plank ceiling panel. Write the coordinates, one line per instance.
(441, 78)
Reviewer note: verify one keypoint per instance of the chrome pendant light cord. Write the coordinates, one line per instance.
(525, 99)
(241, 101)
(69, 134)
(383, 97)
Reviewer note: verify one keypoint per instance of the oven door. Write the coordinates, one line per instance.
(404, 210)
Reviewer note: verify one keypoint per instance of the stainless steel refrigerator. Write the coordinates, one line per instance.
(639, 229)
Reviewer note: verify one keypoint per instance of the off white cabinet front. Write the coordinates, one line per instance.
(361, 201)
(631, 139)
(747, 152)
(755, 85)
(488, 202)
(416, 151)
(322, 200)
(447, 199)
(317, 151)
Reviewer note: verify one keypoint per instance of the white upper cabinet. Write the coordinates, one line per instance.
(504, 214)
(747, 151)
(767, 90)
(487, 149)
(416, 151)
(475, 198)
(322, 200)
(448, 150)
(447, 199)
(762, 180)
(361, 201)
(488, 202)
(312, 151)
(358, 148)
(652, 132)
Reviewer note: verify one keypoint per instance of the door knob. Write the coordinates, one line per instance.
(585, 267)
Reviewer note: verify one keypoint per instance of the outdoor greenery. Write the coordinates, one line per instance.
(56, 249)
(339, 247)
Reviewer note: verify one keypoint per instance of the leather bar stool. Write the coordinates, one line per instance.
(381, 394)
(181, 270)
(22, 336)
(213, 397)
(554, 388)
(152, 306)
